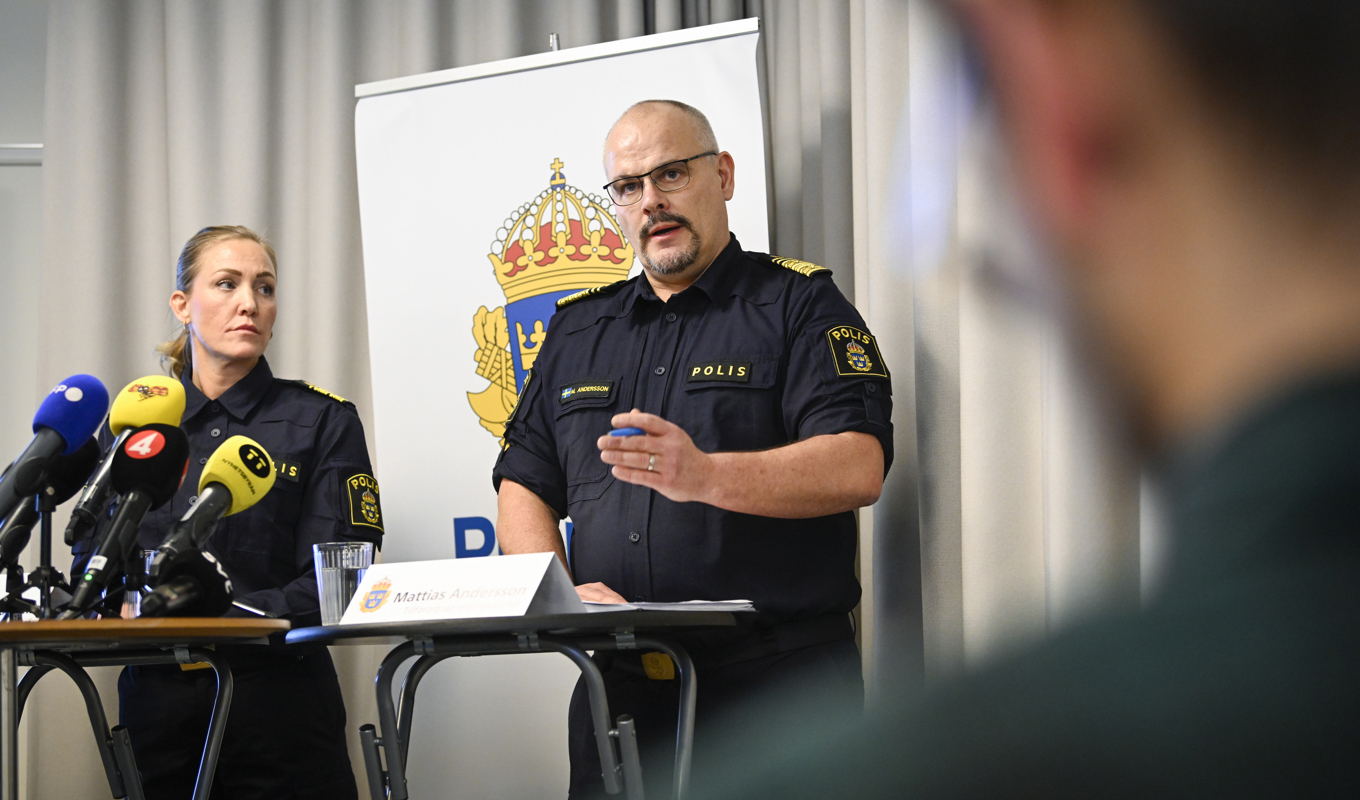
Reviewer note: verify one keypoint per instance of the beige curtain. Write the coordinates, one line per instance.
(1005, 514)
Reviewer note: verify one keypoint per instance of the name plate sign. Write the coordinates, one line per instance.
(464, 588)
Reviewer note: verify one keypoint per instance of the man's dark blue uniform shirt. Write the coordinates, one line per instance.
(757, 353)
(322, 474)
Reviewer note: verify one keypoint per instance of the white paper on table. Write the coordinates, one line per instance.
(688, 605)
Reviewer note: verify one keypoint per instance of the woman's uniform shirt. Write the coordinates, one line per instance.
(324, 489)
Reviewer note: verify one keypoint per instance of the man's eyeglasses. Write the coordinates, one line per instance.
(628, 190)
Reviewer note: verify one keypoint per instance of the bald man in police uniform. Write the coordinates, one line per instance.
(765, 409)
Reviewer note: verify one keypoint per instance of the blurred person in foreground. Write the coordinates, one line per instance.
(1195, 166)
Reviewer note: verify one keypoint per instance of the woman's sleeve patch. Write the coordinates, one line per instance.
(364, 509)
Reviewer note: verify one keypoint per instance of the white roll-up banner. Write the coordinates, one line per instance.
(481, 204)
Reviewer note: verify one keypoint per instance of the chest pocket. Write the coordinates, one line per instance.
(740, 394)
(582, 410)
(267, 532)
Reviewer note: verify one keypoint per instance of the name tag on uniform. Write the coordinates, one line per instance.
(585, 389)
(726, 371)
(288, 470)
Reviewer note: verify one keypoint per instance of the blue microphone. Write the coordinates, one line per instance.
(67, 418)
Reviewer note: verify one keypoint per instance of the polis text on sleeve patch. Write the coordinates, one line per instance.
(855, 353)
(363, 501)
(727, 371)
(585, 389)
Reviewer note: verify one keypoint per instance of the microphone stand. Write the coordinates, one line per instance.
(45, 578)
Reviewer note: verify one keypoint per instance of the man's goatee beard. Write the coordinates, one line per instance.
(679, 262)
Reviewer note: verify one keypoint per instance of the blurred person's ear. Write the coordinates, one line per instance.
(1068, 104)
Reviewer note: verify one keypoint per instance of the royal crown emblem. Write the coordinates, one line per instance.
(376, 596)
(562, 241)
(857, 357)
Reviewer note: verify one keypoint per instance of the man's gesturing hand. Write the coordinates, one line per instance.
(679, 470)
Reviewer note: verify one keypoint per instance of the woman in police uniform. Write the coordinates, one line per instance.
(285, 737)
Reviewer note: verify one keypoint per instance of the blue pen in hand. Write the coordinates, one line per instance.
(627, 432)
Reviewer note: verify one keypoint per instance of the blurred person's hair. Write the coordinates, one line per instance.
(1284, 73)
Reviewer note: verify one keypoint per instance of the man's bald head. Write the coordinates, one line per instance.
(699, 125)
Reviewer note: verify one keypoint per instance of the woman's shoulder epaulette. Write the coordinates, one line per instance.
(314, 388)
(804, 268)
(595, 291)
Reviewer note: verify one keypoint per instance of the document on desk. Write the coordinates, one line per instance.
(688, 605)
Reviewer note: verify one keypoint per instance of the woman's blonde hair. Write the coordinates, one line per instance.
(175, 354)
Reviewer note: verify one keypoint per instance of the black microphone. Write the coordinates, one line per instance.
(147, 471)
(154, 398)
(68, 416)
(64, 479)
(192, 584)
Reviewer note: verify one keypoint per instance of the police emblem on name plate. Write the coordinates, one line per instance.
(376, 596)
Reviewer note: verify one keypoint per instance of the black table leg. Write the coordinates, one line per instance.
(599, 710)
(94, 707)
(409, 684)
(684, 729)
(387, 721)
(217, 726)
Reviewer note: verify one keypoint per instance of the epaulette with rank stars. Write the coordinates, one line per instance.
(591, 292)
(805, 268)
(319, 390)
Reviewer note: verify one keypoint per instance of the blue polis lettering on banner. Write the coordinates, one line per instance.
(461, 526)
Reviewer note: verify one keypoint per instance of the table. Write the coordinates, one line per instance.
(569, 634)
(72, 645)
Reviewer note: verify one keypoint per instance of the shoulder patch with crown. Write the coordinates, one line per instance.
(591, 292)
(313, 387)
(805, 268)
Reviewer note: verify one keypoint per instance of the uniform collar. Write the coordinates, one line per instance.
(239, 400)
(720, 279)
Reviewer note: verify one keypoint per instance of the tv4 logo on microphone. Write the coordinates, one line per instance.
(144, 444)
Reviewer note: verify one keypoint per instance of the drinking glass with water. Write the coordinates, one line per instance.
(340, 566)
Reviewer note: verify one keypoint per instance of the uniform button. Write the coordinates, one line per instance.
(216, 406)
(670, 317)
(634, 536)
(203, 460)
(660, 370)
(216, 432)
(872, 389)
(193, 500)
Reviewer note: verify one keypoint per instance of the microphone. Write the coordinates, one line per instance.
(63, 481)
(67, 417)
(236, 476)
(147, 471)
(194, 585)
(154, 398)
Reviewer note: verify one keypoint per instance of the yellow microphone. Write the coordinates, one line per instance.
(154, 398)
(150, 399)
(237, 475)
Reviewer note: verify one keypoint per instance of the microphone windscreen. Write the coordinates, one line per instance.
(154, 398)
(215, 591)
(153, 459)
(243, 466)
(69, 473)
(73, 409)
